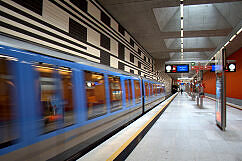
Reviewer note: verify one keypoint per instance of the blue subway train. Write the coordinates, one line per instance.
(53, 109)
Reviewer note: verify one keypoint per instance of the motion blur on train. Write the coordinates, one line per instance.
(51, 109)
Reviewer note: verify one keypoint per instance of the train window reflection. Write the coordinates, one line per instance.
(128, 91)
(115, 92)
(154, 90)
(95, 94)
(66, 84)
(8, 123)
(137, 91)
(158, 89)
(146, 91)
(151, 93)
(49, 96)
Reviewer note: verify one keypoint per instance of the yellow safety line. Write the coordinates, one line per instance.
(115, 154)
(228, 104)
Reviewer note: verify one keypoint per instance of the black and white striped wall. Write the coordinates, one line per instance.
(80, 28)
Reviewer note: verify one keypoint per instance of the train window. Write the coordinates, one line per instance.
(146, 90)
(50, 102)
(115, 92)
(131, 93)
(66, 88)
(128, 91)
(8, 122)
(151, 94)
(162, 89)
(154, 89)
(158, 89)
(95, 94)
(137, 91)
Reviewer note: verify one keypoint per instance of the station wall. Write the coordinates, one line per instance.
(233, 79)
(78, 28)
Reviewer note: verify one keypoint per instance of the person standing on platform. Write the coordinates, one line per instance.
(181, 90)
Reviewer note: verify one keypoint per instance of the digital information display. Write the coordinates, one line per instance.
(230, 67)
(182, 68)
(178, 68)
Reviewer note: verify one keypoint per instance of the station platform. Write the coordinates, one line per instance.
(183, 132)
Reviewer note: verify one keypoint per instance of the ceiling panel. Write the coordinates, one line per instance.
(155, 24)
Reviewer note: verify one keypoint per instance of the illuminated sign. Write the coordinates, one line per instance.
(181, 68)
(230, 67)
(168, 68)
(216, 67)
(201, 67)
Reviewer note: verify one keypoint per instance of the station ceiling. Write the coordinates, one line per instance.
(155, 24)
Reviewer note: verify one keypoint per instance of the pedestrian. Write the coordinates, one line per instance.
(181, 91)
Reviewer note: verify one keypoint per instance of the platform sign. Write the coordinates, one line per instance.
(220, 109)
(182, 68)
(176, 68)
(230, 67)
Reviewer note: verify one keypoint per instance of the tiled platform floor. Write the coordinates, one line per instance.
(110, 146)
(185, 132)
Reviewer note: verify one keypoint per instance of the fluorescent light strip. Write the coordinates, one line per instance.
(226, 44)
(239, 31)
(181, 12)
(181, 5)
(232, 37)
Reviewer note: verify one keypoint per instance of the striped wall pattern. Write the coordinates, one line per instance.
(161, 75)
(76, 27)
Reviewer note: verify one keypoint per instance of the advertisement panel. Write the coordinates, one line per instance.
(220, 109)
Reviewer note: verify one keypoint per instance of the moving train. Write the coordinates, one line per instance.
(55, 109)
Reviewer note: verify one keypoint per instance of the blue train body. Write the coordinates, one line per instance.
(130, 93)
